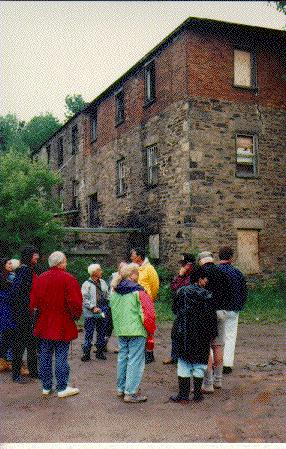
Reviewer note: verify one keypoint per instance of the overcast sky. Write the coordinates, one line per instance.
(50, 49)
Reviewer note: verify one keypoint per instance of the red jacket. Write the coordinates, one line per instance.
(58, 300)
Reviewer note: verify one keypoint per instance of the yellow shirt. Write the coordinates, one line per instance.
(149, 279)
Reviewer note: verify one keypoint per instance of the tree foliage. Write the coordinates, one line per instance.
(281, 6)
(38, 130)
(25, 137)
(26, 205)
(74, 104)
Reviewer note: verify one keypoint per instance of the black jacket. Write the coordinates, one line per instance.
(218, 285)
(20, 296)
(195, 325)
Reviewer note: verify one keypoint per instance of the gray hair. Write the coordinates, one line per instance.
(56, 258)
(205, 257)
(93, 268)
(15, 263)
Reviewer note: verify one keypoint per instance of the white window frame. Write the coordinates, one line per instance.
(121, 175)
(150, 81)
(246, 157)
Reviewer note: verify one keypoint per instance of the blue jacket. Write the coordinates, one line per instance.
(238, 287)
(6, 320)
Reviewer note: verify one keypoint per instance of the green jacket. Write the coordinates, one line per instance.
(127, 315)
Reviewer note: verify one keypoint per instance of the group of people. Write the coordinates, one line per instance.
(39, 314)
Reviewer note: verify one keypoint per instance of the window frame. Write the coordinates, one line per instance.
(119, 107)
(75, 141)
(48, 151)
(121, 186)
(61, 198)
(149, 82)
(60, 145)
(93, 125)
(253, 68)
(241, 174)
(75, 194)
(95, 224)
(152, 167)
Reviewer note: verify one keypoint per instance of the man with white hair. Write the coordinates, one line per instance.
(95, 312)
(57, 300)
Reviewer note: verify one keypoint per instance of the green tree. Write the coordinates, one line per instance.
(38, 130)
(281, 6)
(26, 204)
(11, 134)
(74, 104)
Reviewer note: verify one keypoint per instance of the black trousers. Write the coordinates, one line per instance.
(6, 342)
(24, 339)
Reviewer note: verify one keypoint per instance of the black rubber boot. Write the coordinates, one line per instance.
(198, 395)
(149, 357)
(184, 391)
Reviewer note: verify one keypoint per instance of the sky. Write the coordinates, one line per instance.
(51, 49)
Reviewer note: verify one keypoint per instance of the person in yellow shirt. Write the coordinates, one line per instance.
(149, 280)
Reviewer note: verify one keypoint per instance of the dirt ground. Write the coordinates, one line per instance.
(249, 408)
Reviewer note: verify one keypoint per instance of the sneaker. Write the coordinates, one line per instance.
(100, 356)
(46, 393)
(21, 380)
(4, 365)
(227, 370)
(85, 358)
(69, 391)
(134, 398)
(207, 389)
(169, 361)
(178, 399)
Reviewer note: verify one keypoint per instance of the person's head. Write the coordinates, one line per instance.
(30, 255)
(225, 253)
(15, 264)
(121, 265)
(128, 271)
(138, 255)
(95, 271)
(187, 262)
(205, 257)
(57, 259)
(5, 266)
(198, 276)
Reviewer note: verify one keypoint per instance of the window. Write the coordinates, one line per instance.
(244, 68)
(93, 125)
(61, 198)
(247, 251)
(152, 165)
(75, 195)
(48, 149)
(246, 155)
(93, 211)
(119, 105)
(121, 186)
(149, 76)
(60, 152)
(74, 139)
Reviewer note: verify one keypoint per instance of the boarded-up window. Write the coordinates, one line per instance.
(246, 155)
(244, 68)
(247, 251)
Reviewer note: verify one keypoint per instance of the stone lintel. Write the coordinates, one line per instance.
(248, 223)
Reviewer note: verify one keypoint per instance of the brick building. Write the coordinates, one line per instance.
(188, 147)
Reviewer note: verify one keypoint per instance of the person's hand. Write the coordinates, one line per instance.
(182, 271)
(96, 310)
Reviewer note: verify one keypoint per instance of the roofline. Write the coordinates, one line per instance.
(166, 41)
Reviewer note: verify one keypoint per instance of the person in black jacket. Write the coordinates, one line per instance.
(194, 328)
(20, 301)
(234, 306)
(219, 286)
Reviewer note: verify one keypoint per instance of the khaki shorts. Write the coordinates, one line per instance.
(220, 338)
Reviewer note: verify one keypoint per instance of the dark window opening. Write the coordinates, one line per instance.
(150, 82)
(119, 107)
(75, 140)
(93, 211)
(60, 152)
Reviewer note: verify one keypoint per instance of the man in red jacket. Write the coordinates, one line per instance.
(58, 302)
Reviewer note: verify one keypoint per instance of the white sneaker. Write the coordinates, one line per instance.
(46, 392)
(69, 391)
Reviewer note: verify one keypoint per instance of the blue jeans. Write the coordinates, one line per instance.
(188, 369)
(130, 363)
(89, 326)
(62, 369)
